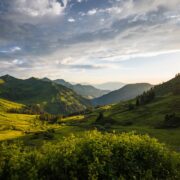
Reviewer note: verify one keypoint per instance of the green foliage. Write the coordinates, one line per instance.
(49, 118)
(168, 87)
(100, 117)
(131, 106)
(93, 156)
(29, 109)
(176, 90)
(145, 98)
(171, 121)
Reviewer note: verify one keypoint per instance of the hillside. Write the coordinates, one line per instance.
(127, 92)
(148, 118)
(171, 86)
(54, 98)
(86, 91)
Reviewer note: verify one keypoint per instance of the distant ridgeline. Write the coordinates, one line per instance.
(55, 98)
(127, 92)
(52, 97)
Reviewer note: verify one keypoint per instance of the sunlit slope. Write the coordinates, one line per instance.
(29, 128)
(13, 125)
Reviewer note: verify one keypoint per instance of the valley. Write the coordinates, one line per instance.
(124, 116)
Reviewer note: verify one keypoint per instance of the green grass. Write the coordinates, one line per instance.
(143, 120)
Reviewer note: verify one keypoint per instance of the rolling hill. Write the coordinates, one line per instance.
(86, 91)
(54, 98)
(127, 92)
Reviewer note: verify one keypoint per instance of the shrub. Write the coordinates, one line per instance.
(171, 121)
(93, 156)
(29, 109)
(131, 107)
(49, 118)
(100, 117)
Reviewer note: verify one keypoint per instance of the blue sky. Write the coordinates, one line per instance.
(90, 40)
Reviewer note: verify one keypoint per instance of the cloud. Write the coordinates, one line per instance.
(71, 20)
(38, 8)
(11, 50)
(92, 12)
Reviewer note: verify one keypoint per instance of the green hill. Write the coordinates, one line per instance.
(171, 86)
(54, 98)
(127, 92)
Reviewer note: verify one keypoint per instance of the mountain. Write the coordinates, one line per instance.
(127, 92)
(111, 86)
(86, 91)
(54, 98)
(63, 82)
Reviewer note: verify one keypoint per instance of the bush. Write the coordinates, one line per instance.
(171, 121)
(29, 109)
(131, 107)
(100, 117)
(93, 156)
(49, 118)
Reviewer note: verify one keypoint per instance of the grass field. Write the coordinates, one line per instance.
(142, 120)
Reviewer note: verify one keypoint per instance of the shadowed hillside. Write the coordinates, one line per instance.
(125, 93)
(52, 97)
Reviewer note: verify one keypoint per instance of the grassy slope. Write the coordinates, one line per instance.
(144, 120)
(27, 127)
(12, 125)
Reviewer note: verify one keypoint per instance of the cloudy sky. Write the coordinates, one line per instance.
(90, 40)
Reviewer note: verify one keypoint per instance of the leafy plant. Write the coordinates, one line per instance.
(91, 156)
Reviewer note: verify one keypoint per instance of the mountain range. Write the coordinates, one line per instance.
(86, 91)
(61, 97)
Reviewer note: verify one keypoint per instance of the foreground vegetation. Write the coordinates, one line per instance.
(91, 156)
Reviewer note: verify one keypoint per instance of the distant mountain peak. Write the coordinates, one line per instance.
(32, 78)
(7, 77)
(46, 79)
(127, 92)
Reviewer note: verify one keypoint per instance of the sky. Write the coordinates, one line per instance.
(92, 41)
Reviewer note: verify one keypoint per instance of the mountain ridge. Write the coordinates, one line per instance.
(54, 98)
(87, 91)
(127, 92)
